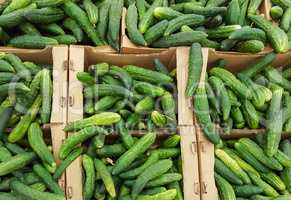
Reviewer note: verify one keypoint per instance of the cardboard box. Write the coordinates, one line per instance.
(80, 59)
(58, 57)
(235, 63)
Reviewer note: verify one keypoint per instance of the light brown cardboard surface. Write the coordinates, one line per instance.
(190, 161)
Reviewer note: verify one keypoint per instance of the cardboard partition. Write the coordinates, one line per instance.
(189, 153)
(58, 57)
(267, 5)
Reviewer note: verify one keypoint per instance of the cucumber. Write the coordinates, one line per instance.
(274, 180)
(19, 131)
(105, 103)
(222, 95)
(166, 13)
(152, 172)
(253, 6)
(114, 150)
(275, 76)
(160, 67)
(243, 12)
(5, 116)
(169, 108)
(275, 125)
(276, 12)
(155, 190)
(99, 69)
(214, 3)
(257, 67)
(250, 46)
(237, 116)
(32, 41)
(65, 39)
(72, 25)
(16, 162)
(226, 173)
(65, 163)
(33, 194)
(201, 107)
(16, 17)
(247, 33)
(18, 65)
(46, 91)
(286, 73)
(105, 176)
(44, 15)
(275, 35)
(233, 98)
(227, 44)
(126, 138)
(92, 11)
(48, 3)
(85, 78)
(232, 165)
(103, 19)
(231, 81)
(147, 75)
(115, 13)
(222, 31)
(8, 196)
(76, 13)
(99, 90)
(6, 67)
(6, 77)
(247, 190)
(78, 138)
(148, 17)
(39, 186)
(233, 12)
(158, 119)
(148, 89)
(89, 185)
(258, 153)
(124, 77)
(131, 25)
(187, 19)
(36, 141)
(155, 32)
(191, 8)
(52, 28)
(214, 22)
(130, 155)
(267, 189)
(16, 5)
(213, 101)
(48, 180)
(195, 68)
(132, 120)
(180, 39)
(225, 189)
(28, 28)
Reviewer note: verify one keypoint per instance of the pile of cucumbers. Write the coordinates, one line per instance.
(243, 171)
(126, 168)
(256, 97)
(223, 25)
(26, 95)
(280, 12)
(38, 23)
(27, 168)
(144, 98)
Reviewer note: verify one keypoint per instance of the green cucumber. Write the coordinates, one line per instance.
(103, 19)
(92, 11)
(48, 180)
(105, 103)
(106, 177)
(247, 33)
(76, 13)
(148, 89)
(36, 141)
(53, 28)
(126, 138)
(119, 72)
(99, 90)
(276, 12)
(78, 138)
(16, 5)
(180, 39)
(114, 150)
(33, 194)
(166, 13)
(155, 32)
(66, 162)
(253, 6)
(233, 12)
(131, 25)
(247, 190)
(46, 91)
(72, 25)
(65, 39)
(225, 189)
(115, 13)
(275, 35)
(48, 3)
(32, 42)
(45, 15)
(187, 19)
(152, 172)
(129, 156)
(205, 11)
(16, 162)
(250, 46)
(28, 28)
(5, 66)
(222, 31)
(89, 185)
(195, 68)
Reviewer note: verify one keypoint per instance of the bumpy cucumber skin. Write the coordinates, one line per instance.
(89, 185)
(32, 42)
(128, 157)
(225, 189)
(156, 31)
(131, 25)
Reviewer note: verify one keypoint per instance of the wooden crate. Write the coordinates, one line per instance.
(80, 59)
(58, 57)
